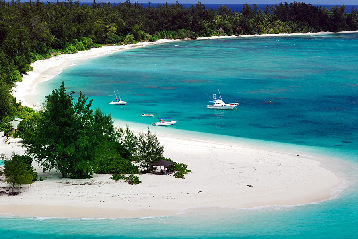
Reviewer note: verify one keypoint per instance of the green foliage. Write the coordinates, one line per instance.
(24, 112)
(148, 150)
(27, 160)
(129, 140)
(180, 170)
(5, 125)
(117, 177)
(27, 126)
(82, 44)
(179, 174)
(109, 159)
(70, 49)
(144, 149)
(129, 39)
(18, 172)
(115, 166)
(7, 104)
(131, 179)
(36, 56)
(65, 135)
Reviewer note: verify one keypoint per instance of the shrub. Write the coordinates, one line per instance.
(16, 171)
(115, 166)
(131, 179)
(27, 160)
(180, 169)
(70, 49)
(117, 177)
(113, 158)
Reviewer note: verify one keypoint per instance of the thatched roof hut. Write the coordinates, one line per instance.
(164, 163)
(161, 164)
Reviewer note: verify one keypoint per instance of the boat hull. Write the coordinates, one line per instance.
(165, 123)
(118, 103)
(223, 107)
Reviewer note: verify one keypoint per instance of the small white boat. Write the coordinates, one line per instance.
(148, 115)
(118, 101)
(219, 104)
(164, 122)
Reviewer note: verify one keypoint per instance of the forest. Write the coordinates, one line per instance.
(37, 30)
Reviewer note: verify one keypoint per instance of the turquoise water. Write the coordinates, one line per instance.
(301, 90)
(296, 90)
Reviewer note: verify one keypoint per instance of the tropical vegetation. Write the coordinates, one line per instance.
(18, 170)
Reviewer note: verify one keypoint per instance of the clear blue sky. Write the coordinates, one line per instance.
(322, 2)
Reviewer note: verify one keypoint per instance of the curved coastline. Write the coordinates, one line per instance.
(221, 171)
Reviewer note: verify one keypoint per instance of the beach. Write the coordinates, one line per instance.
(44, 70)
(225, 174)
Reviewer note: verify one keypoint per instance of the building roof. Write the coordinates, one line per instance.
(15, 122)
(163, 162)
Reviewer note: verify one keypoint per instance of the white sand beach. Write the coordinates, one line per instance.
(220, 178)
(225, 174)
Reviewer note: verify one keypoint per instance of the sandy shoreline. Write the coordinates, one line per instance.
(44, 70)
(221, 172)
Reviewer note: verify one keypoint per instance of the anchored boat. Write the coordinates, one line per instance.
(218, 103)
(118, 101)
(148, 115)
(164, 122)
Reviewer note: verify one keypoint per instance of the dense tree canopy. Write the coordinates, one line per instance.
(36, 30)
(65, 135)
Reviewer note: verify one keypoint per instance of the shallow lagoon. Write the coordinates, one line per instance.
(300, 90)
(296, 90)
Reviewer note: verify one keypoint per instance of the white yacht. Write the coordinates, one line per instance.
(218, 103)
(164, 122)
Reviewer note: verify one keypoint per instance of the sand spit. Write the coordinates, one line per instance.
(224, 174)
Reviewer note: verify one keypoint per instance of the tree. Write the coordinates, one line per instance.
(110, 159)
(17, 172)
(65, 135)
(129, 140)
(149, 149)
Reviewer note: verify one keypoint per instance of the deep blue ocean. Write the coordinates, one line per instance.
(299, 91)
